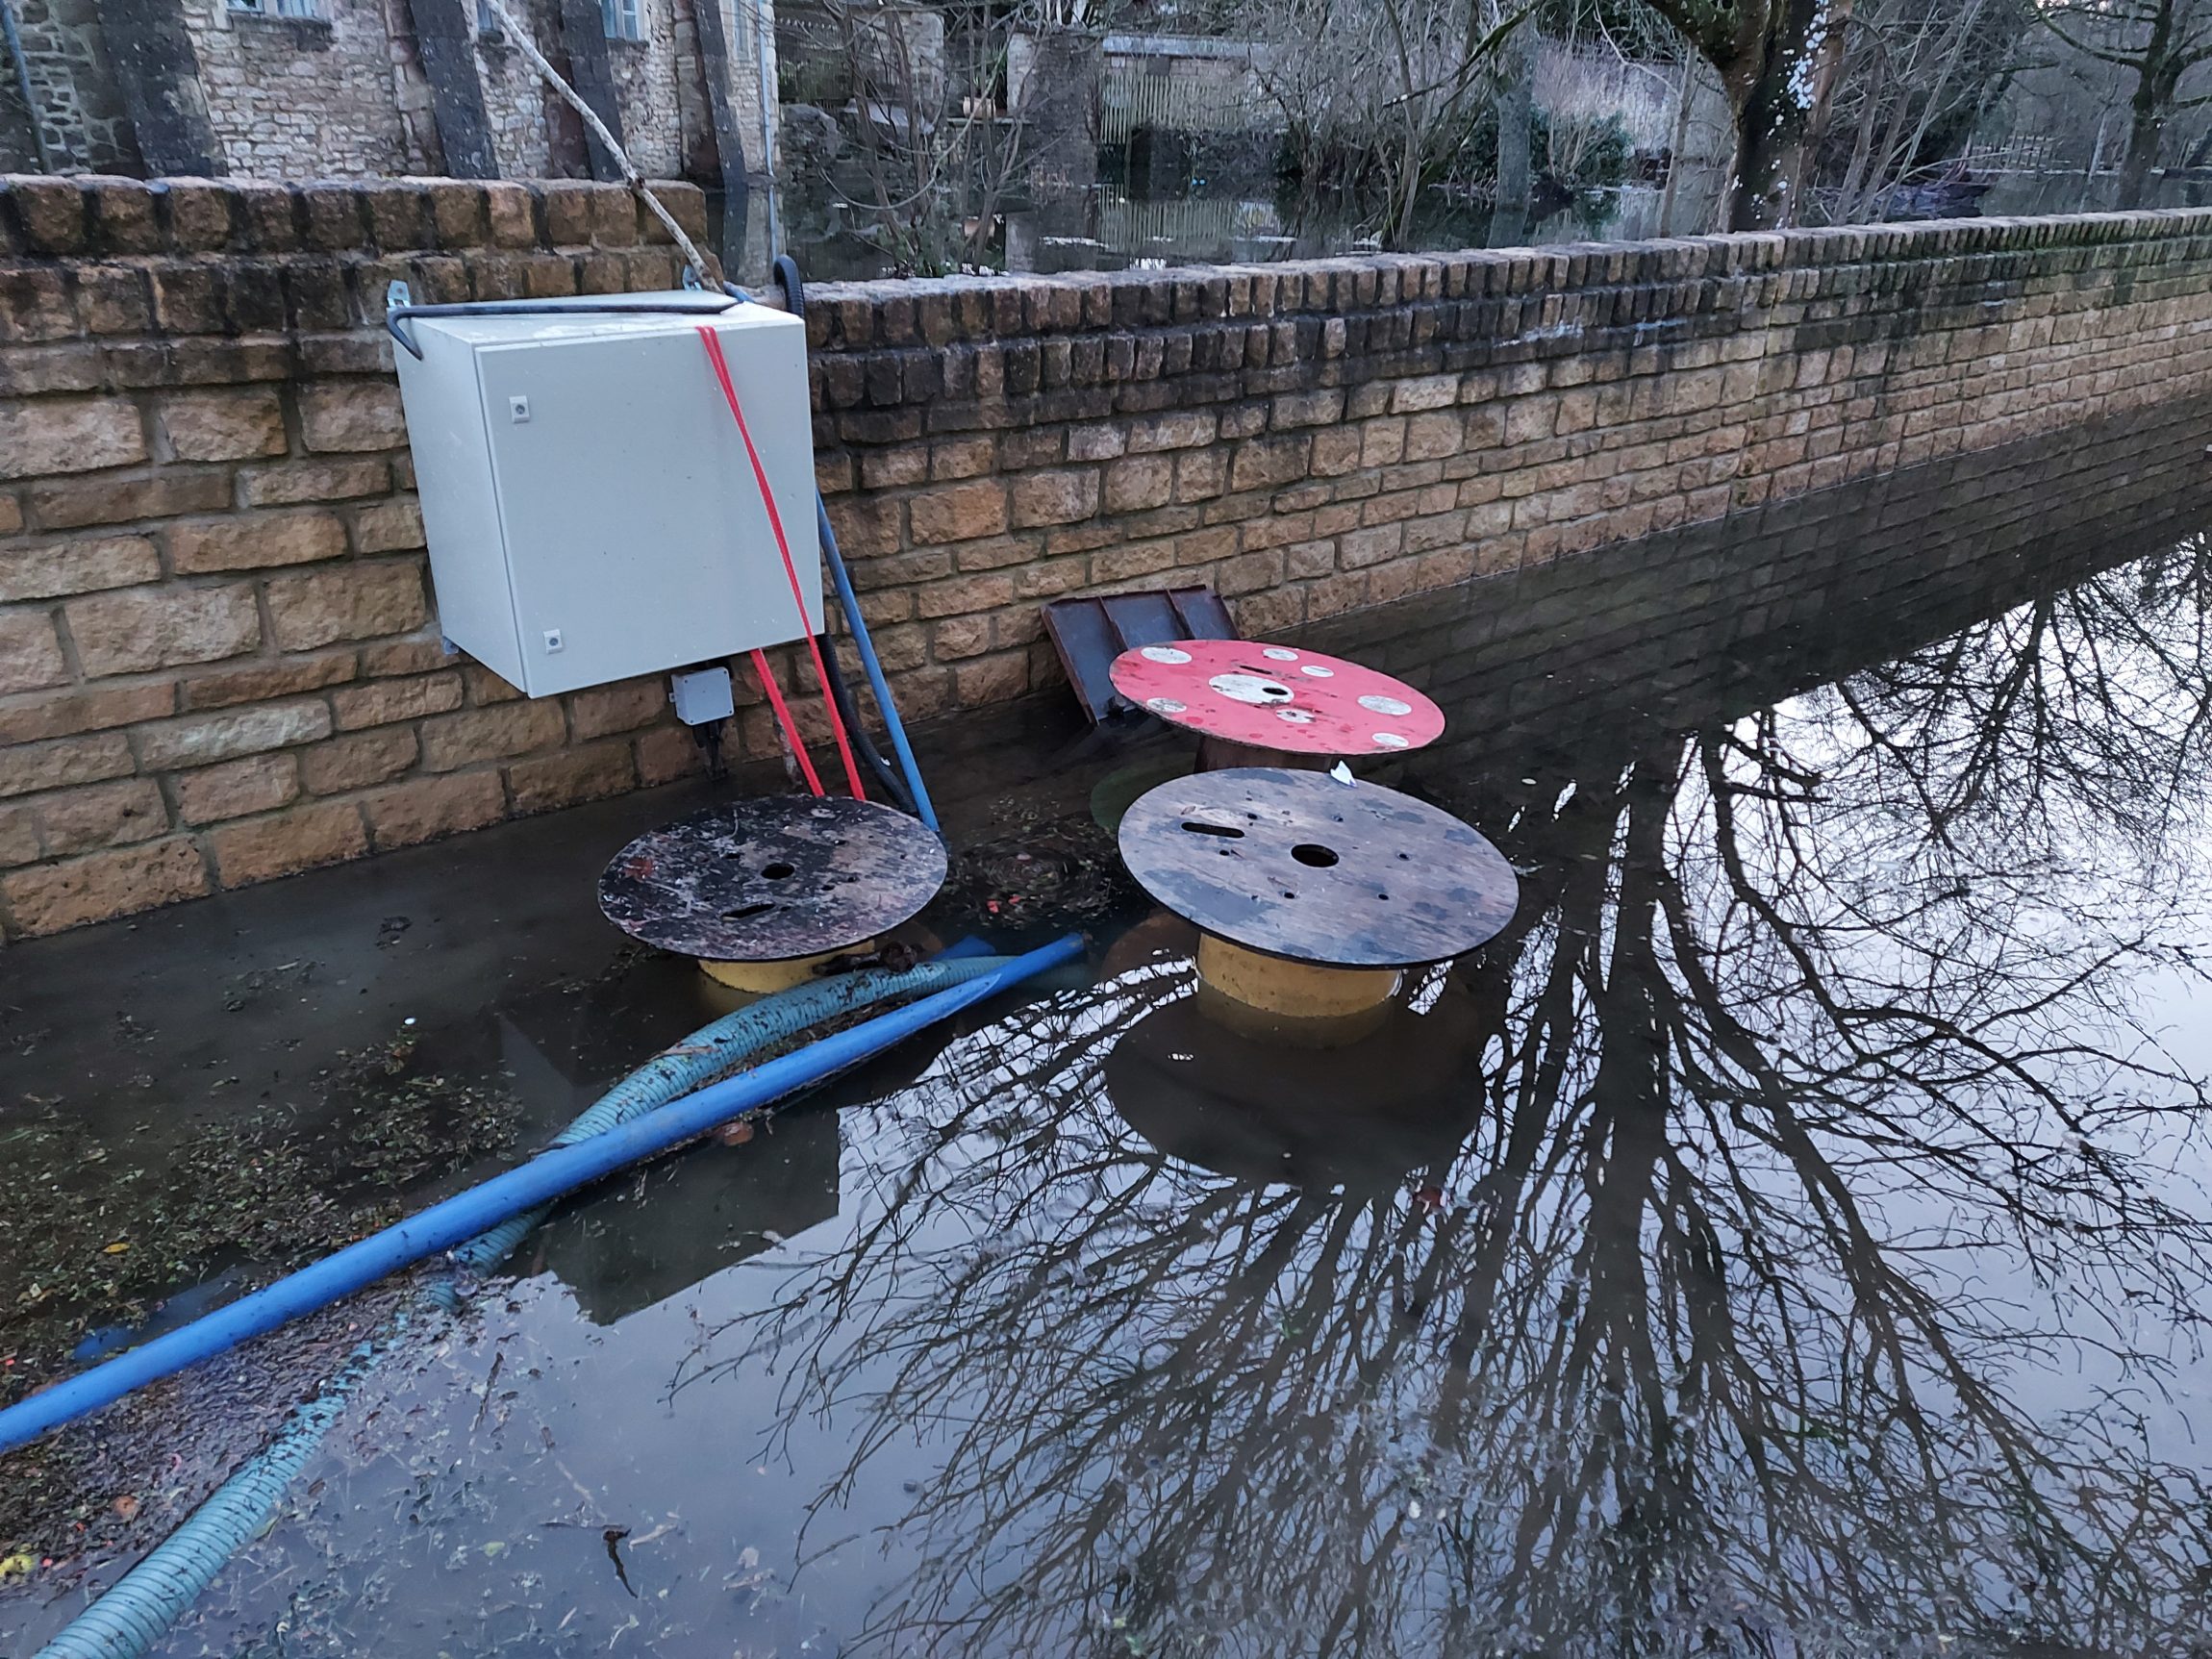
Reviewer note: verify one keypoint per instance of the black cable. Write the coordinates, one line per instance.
(787, 272)
(848, 710)
(396, 315)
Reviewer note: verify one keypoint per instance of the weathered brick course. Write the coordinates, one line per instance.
(202, 739)
(77, 564)
(136, 629)
(99, 814)
(48, 899)
(283, 844)
(356, 762)
(250, 541)
(357, 603)
(223, 425)
(30, 652)
(257, 783)
(69, 435)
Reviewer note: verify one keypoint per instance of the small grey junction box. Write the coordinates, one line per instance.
(591, 511)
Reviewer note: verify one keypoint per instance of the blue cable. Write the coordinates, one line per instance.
(795, 296)
(140, 1608)
(714, 1049)
(872, 667)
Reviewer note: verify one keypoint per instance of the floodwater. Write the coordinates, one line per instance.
(1790, 1237)
(1107, 229)
(1219, 223)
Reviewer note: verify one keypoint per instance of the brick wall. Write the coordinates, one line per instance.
(344, 94)
(660, 84)
(645, 85)
(1313, 438)
(513, 108)
(1603, 656)
(217, 659)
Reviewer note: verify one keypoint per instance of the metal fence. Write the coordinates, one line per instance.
(1184, 84)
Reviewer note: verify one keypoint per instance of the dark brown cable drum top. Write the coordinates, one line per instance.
(782, 876)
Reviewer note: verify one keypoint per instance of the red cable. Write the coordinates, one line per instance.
(791, 570)
(785, 720)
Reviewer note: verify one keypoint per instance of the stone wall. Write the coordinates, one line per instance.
(282, 89)
(1312, 439)
(217, 659)
(514, 109)
(81, 115)
(646, 84)
(344, 94)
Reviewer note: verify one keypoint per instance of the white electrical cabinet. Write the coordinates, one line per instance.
(588, 506)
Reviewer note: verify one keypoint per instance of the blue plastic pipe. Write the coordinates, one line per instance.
(849, 602)
(546, 1177)
(142, 1606)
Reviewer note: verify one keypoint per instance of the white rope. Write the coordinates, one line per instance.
(709, 275)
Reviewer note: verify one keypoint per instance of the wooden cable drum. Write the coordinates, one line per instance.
(1312, 893)
(1249, 701)
(762, 891)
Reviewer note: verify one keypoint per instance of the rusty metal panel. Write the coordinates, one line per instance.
(1144, 619)
(1089, 631)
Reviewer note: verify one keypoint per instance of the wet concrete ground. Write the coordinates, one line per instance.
(1790, 1236)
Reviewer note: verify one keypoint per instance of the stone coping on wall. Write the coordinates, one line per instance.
(97, 217)
(81, 217)
(1652, 279)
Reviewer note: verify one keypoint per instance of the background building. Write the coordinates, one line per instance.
(315, 89)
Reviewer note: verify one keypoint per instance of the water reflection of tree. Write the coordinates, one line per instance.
(1808, 1283)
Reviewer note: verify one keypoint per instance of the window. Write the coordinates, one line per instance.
(311, 9)
(625, 19)
(488, 22)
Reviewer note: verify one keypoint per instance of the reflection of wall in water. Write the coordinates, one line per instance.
(1193, 85)
(1701, 624)
(693, 1216)
(654, 1233)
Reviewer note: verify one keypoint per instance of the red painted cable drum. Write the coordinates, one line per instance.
(1277, 697)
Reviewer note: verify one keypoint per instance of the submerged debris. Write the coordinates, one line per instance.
(1063, 873)
(104, 1240)
(101, 1237)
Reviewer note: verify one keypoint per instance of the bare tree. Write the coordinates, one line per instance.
(1397, 85)
(1902, 78)
(937, 145)
(1763, 51)
(2158, 43)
